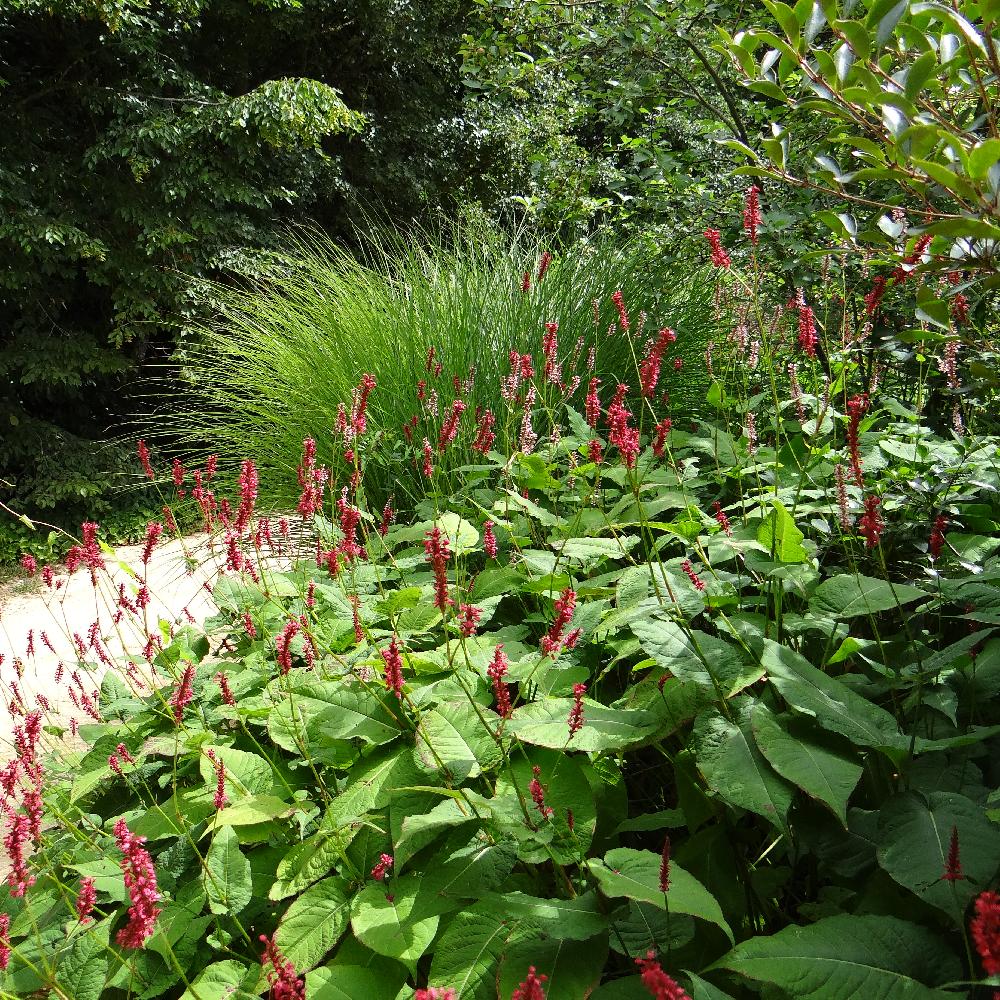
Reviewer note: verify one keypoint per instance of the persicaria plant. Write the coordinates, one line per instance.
(626, 702)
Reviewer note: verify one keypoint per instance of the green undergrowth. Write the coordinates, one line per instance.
(732, 703)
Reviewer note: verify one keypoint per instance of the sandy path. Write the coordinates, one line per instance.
(175, 577)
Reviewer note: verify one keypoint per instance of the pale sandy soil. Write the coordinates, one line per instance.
(175, 577)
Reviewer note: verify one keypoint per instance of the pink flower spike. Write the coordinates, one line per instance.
(147, 467)
(489, 540)
(85, 899)
(719, 256)
(393, 659)
(658, 984)
(496, 672)
(281, 977)
(530, 988)
(537, 791)
(182, 696)
(382, 867)
(575, 720)
(140, 880)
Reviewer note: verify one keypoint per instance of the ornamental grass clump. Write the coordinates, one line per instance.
(650, 708)
(297, 329)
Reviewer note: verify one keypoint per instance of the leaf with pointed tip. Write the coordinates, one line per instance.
(850, 956)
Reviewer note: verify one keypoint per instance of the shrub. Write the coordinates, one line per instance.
(290, 344)
(722, 701)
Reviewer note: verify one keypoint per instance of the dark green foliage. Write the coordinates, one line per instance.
(140, 145)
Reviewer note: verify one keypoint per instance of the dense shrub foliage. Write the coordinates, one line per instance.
(143, 146)
(626, 708)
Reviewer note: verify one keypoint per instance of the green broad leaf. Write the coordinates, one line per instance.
(914, 834)
(850, 956)
(578, 919)
(227, 876)
(398, 600)
(700, 989)
(175, 817)
(591, 550)
(222, 981)
(463, 536)
(780, 536)
(849, 595)
(572, 968)
(350, 982)
(314, 923)
(420, 829)
(246, 773)
(629, 874)
(418, 620)
(566, 788)
(545, 724)
(644, 926)
(832, 703)
(453, 738)
(253, 809)
(468, 954)
(342, 709)
(311, 859)
(697, 657)
(372, 782)
(393, 920)
(732, 765)
(481, 866)
(83, 969)
(984, 156)
(529, 507)
(815, 761)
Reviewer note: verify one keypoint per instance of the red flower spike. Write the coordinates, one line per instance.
(543, 265)
(697, 582)
(592, 404)
(382, 867)
(665, 865)
(530, 988)
(807, 331)
(619, 300)
(437, 551)
(182, 696)
(564, 606)
(537, 791)
(953, 863)
(870, 524)
(752, 216)
(5, 949)
(496, 672)
(719, 256)
(985, 931)
(140, 880)
(489, 540)
(281, 977)
(649, 369)
(227, 695)
(468, 619)
(147, 467)
(85, 899)
(936, 542)
(393, 668)
(575, 721)
(658, 984)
